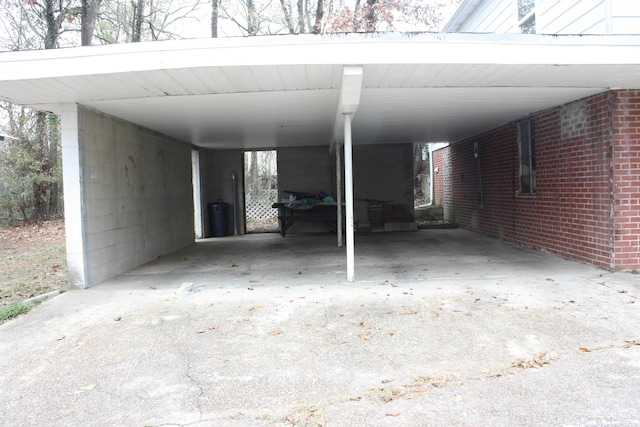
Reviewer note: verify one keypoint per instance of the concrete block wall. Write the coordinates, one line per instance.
(307, 170)
(217, 169)
(136, 193)
(384, 172)
(587, 202)
(380, 172)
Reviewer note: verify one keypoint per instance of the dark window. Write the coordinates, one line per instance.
(527, 16)
(527, 156)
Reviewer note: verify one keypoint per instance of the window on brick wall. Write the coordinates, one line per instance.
(527, 157)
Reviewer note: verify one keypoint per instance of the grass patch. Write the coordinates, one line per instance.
(14, 310)
(32, 261)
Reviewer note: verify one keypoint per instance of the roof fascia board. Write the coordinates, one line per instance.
(319, 50)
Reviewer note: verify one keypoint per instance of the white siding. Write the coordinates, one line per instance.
(625, 16)
(570, 16)
(558, 17)
(492, 16)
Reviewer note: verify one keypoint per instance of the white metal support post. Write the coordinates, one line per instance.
(339, 192)
(348, 196)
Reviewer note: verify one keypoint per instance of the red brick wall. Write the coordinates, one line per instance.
(626, 179)
(438, 176)
(571, 214)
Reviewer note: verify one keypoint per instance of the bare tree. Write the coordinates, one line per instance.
(215, 13)
(89, 17)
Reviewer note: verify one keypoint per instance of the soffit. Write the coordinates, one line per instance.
(283, 91)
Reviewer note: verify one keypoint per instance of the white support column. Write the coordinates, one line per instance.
(74, 218)
(339, 191)
(348, 196)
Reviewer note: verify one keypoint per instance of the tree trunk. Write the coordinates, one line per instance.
(136, 24)
(287, 17)
(301, 29)
(214, 18)
(252, 18)
(53, 27)
(253, 171)
(372, 16)
(89, 18)
(317, 27)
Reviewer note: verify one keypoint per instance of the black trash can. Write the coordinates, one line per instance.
(219, 218)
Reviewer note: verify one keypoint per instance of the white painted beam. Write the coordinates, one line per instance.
(348, 193)
(350, 91)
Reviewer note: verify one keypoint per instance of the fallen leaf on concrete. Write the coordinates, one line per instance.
(408, 310)
(276, 332)
(633, 341)
(391, 333)
(392, 414)
(584, 349)
(537, 361)
(355, 398)
(257, 307)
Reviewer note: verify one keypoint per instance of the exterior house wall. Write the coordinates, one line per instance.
(587, 166)
(492, 16)
(136, 194)
(572, 17)
(555, 17)
(626, 179)
(438, 176)
(217, 172)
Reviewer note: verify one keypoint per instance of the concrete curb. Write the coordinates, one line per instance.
(40, 298)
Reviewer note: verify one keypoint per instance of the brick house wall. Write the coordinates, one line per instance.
(626, 179)
(438, 176)
(587, 203)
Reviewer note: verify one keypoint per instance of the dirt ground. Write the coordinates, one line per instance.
(32, 260)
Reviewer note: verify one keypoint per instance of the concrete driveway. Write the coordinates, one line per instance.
(441, 327)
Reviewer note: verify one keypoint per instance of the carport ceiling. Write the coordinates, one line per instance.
(283, 90)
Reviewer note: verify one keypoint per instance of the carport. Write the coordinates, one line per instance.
(132, 114)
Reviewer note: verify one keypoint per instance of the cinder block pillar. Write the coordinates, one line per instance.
(74, 215)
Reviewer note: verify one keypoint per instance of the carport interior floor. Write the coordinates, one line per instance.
(259, 260)
(441, 327)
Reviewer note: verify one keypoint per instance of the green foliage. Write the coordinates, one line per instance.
(30, 172)
(14, 310)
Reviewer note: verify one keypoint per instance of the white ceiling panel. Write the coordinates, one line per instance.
(283, 91)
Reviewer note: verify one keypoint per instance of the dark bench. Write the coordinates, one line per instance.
(289, 213)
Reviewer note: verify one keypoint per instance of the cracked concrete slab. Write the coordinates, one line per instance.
(442, 327)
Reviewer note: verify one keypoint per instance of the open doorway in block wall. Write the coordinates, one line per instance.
(261, 191)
